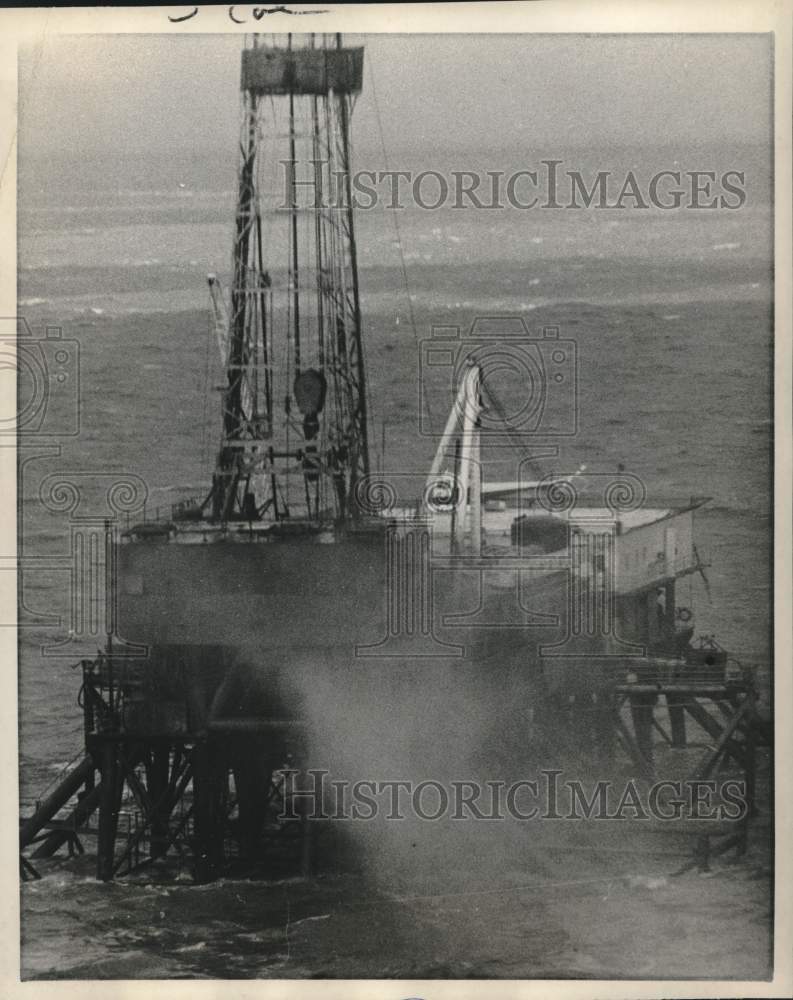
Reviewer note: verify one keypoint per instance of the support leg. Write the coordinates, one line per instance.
(208, 811)
(252, 776)
(109, 804)
(642, 708)
(677, 719)
(157, 767)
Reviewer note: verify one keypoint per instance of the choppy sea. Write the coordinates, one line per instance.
(672, 316)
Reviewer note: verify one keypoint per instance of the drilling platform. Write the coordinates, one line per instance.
(302, 574)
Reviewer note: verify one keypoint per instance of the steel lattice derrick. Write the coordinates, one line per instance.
(314, 83)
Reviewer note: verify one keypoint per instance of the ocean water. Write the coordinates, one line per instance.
(672, 317)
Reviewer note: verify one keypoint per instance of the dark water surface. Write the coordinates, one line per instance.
(672, 318)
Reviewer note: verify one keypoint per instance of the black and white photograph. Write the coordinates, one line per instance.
(394, 460)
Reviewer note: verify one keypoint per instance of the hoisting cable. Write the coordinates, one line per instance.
(397, 233)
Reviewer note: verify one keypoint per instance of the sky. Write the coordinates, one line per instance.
(140, 93)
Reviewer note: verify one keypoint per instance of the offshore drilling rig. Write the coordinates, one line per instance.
(300, 571)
